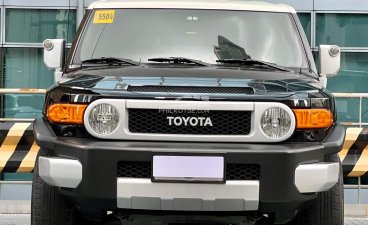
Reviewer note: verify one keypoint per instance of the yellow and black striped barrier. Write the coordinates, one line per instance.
(354, 155)
(18, 149)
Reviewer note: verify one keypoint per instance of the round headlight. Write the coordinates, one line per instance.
(275, 122)
(103, 119)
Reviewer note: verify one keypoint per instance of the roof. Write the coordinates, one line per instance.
(193, 4)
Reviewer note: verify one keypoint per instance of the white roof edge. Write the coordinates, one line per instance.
(292, 9)
(215, 4)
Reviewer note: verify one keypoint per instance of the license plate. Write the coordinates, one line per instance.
(188, 168)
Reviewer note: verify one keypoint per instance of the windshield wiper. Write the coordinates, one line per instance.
(179, 60)
(110, 61)
(253, 62)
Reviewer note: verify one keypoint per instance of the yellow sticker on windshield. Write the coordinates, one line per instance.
(104, 16)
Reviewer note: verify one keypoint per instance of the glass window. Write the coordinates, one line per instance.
(23, 105)
(36, 25)
(17, 177)
(353, 78)
(347, 109)
(305, 20)
(24, 68)
(365, 110)
(345, 30)
(350, 180)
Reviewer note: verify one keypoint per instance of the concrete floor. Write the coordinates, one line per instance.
(24, 219)
(356, 221)
(18, 213)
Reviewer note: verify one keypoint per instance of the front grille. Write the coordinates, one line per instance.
(158, 122)
(234, 171)
(189, 89)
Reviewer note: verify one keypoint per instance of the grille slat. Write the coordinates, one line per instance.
(189, 89)
(234, 171)
(157, 122)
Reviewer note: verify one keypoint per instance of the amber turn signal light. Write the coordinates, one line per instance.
(66, 113)
(313, 118)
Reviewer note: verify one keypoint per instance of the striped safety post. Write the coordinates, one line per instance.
(354, 155)
(18, 149)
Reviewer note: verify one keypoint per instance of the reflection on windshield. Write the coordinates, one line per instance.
(228, 50)
(142, 34)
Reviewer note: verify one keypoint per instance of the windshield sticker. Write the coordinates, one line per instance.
(104, 16)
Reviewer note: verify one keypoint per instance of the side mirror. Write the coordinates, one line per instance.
(53, 53)
(329, 62)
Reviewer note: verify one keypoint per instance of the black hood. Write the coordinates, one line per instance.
(101, 79)
(89, 84)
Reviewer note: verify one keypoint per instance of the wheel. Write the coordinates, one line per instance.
(48, 206)
(329, 207)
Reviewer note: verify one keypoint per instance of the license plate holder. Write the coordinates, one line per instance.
(191, 169)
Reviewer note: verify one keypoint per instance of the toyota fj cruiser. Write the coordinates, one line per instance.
(189, 111)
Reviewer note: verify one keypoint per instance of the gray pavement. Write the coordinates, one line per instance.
(15, 219)
(18, 213)
(24, 219)
(356, 221)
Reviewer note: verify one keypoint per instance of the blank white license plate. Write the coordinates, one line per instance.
(188, 168)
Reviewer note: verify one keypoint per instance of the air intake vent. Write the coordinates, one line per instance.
(238, 171)
(134, 169)
(234, 171)
(187, 89)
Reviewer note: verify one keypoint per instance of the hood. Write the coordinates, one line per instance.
(103, 79)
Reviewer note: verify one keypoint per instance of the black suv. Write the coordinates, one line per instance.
(189, 111)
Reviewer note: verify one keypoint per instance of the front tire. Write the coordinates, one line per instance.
(329, 206)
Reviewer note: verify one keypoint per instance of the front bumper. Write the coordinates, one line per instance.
(275, 190)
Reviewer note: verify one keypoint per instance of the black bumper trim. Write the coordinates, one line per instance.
(335, 141)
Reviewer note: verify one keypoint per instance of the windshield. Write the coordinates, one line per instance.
(206, 35)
